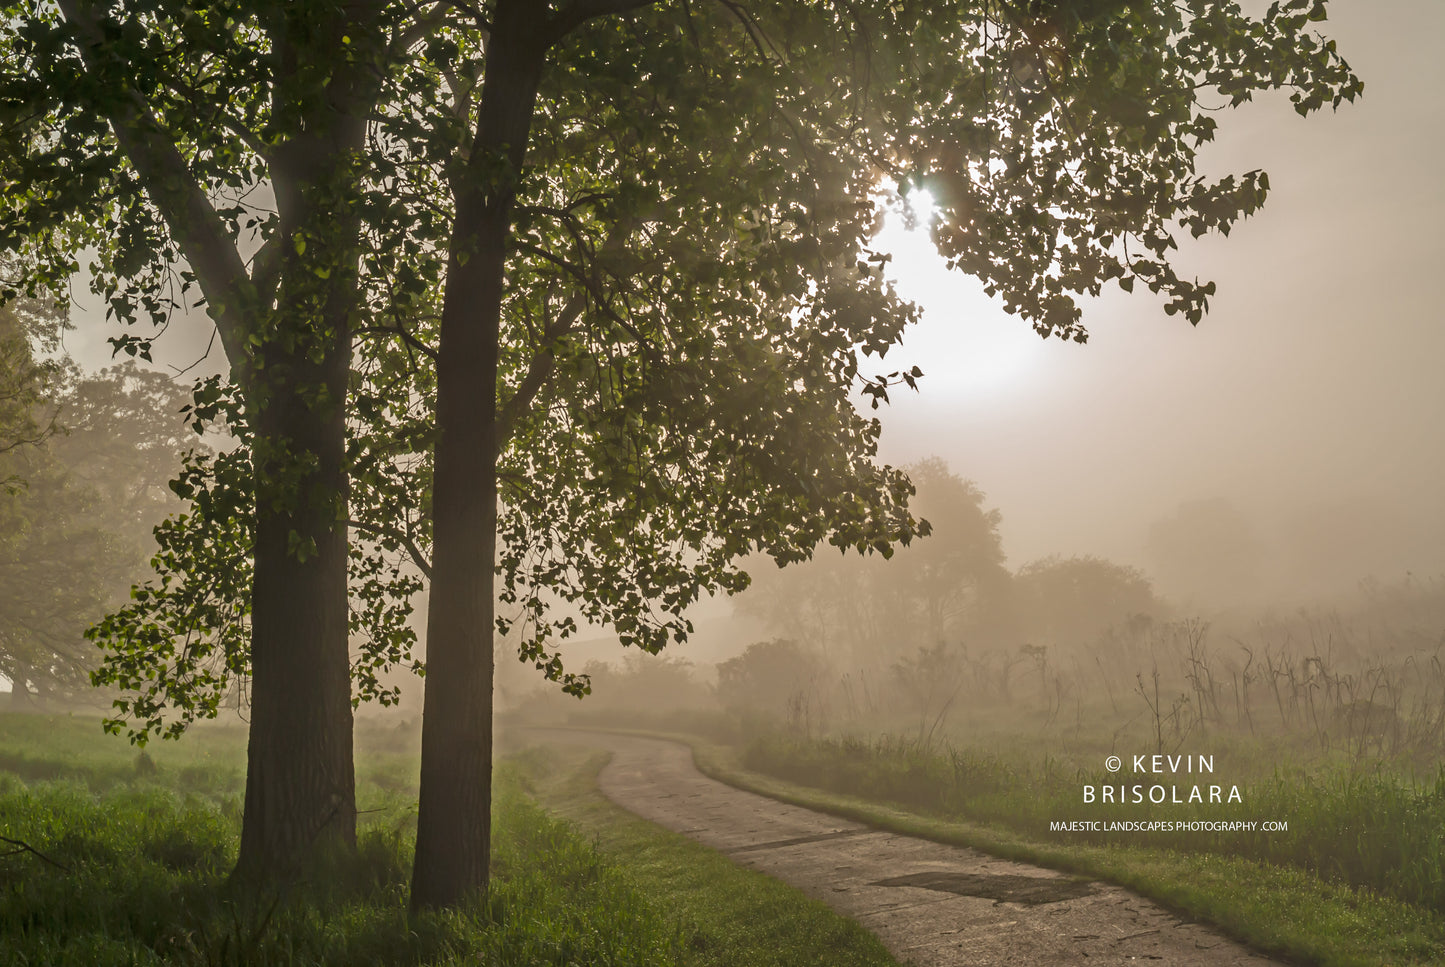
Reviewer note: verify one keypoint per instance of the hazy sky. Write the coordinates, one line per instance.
(1310, 396)
(1313, 391)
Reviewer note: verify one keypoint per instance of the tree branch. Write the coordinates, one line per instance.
(408, 338)
(538, 372)
(432, 20)
(593, 288)
(192, 220)
(23, 847)
(253, 141)
(266, 269)
(578, 12)
(422, 562)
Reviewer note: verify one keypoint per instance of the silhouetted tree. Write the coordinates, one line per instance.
(768, 675)
(84, 483)
(124, 435)
(28, 381)
(58, 569)
(950, 586)
(1071, 600)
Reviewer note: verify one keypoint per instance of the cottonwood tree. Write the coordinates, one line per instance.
(639, 234)
(206, 154)
(664, 383)
(125, 432)
(52, 552)
(173, 176)
(1059, 139)
(58, 563)
(1070, 601)
(773, 676)
(81, 485)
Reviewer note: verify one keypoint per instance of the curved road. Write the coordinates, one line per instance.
(931, 904)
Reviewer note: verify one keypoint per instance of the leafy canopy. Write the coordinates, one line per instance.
(689, 273)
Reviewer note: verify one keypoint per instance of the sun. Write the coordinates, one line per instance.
(965, 343)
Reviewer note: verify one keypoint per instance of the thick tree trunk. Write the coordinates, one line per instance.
(454, 817)
(300, 794)
(300, 780)
(293, 362)
(300, 787)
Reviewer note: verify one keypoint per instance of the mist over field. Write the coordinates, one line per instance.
(1285, 454)
(1223, 539)
(494, 438)
(1272, 457)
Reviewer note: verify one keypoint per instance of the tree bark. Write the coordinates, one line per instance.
(454, 815)
(300, 779)
(300, 793)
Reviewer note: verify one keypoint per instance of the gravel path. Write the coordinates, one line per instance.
(931, 904)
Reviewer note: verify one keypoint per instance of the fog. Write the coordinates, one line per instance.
(1273, 474)
(1168, 623)
(1306, 404)
(1272, 471)
(1304, 408)
(1275, 456)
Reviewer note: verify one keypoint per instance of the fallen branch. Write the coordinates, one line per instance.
(23, 847)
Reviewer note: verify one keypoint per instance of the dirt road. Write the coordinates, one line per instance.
(932, 905)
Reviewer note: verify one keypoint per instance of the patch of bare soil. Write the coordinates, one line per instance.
(931, 904)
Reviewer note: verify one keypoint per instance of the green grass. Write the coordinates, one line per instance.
(133, 851)
(210, 762)
(1279, 908)
(729, 915)
(138, 876)
(1372, 831)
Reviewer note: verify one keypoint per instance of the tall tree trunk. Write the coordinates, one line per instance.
(300, 794)
(454, 817)
(300, 782)
(300, 778)
(292, 362)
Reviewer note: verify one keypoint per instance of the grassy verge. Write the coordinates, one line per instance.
(1282, 910)
(136, 876)
(1372, 829)
(728, 915)
(125, 856)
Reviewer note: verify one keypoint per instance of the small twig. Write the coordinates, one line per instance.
(24, 847)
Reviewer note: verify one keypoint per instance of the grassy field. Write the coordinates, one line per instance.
(129, 852)
(1370, 831)
(1292, 896)
(115, 856)
(1331, 724)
